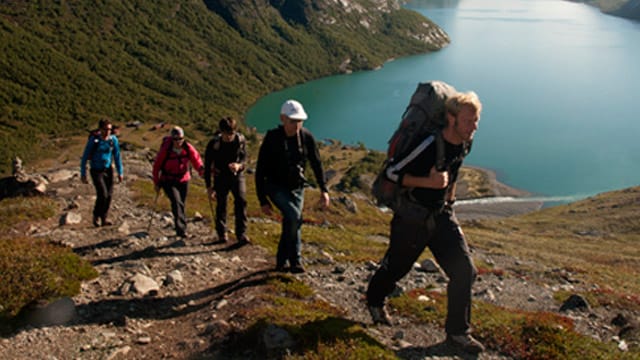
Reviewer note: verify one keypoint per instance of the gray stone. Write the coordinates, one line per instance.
(144, 285)
(70, 218)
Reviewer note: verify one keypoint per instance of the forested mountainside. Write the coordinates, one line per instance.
(65, 64)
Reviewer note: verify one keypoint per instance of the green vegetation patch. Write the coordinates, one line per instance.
(34, 269)
(517, 334)
(318, 330)
(16, 210)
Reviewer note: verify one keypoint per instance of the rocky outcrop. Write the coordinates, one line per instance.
(21, 183)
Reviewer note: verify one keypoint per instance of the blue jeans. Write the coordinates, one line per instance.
(290, 204)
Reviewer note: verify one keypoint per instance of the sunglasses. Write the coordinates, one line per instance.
(178, 138)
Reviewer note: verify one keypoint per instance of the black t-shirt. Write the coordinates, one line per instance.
(227, 154)
(421, 166)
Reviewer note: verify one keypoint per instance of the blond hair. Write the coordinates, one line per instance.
(456, 102)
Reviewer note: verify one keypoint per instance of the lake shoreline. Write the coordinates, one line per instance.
(506, 201)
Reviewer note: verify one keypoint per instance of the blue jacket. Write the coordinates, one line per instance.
(100, 153)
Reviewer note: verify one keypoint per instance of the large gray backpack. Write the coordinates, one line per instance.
(421, 125)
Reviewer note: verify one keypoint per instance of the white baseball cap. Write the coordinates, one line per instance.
(293, 110)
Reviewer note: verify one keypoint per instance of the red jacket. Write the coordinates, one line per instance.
(171, 165)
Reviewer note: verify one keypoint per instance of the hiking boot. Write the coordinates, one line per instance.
(281, 268)
(297, 269)
(96, 221)
(243, 240)
(223, 238)
(178, 243)
(106, 222)
(466, 343)
(379, 315)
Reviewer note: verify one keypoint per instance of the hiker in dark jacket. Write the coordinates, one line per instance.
(224, 161)
(102, 150)
(425, 217)
(280, 178)
(171, 173)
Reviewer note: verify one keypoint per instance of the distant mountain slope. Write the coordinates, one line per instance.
(63, 65)
(623, 8)
(630, 9)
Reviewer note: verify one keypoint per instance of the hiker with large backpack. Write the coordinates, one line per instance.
(102, 151)
(280, 179)
(224, 161)
(172, 172)
(424, 158)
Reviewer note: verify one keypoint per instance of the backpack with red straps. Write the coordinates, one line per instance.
(421, 125)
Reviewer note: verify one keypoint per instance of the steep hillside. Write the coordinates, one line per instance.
(64, 65)
(623, 8)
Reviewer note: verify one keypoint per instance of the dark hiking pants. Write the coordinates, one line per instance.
(177, 193)
(238, 187)
(103, 182)
(410, 234)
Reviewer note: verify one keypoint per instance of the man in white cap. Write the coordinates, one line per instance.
(280, 179)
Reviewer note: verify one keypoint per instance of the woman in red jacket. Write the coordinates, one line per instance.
(171, 173)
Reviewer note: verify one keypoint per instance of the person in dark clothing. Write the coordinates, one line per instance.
(101, 151)
(280, 178)
(224, 161)
(171, 173)
(426, 218)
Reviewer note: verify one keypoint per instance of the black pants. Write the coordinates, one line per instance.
(410, 234)
(238, 187)
(177, 193)
(103, 182)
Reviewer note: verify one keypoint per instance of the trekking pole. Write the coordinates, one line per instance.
(155, 202)
(213, 219)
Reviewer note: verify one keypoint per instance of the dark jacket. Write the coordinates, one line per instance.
(279, 154)
(220, 154)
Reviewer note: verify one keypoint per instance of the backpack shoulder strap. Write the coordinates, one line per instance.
(165, 147)
(440, 152)
(241, 139)
(392, 169)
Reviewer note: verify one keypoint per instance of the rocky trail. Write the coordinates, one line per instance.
(158, 297)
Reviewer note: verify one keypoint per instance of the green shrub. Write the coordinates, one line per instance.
(35, 269)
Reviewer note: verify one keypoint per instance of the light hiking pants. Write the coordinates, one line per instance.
(410, 234)
(290, 204)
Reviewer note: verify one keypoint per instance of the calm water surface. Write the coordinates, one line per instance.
(559, 82)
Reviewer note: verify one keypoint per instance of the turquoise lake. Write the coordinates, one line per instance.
(559, 82)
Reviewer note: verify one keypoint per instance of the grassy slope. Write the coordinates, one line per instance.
(596, 238)
(64, 65)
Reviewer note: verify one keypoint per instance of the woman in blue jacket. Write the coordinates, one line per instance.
(101, 150)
